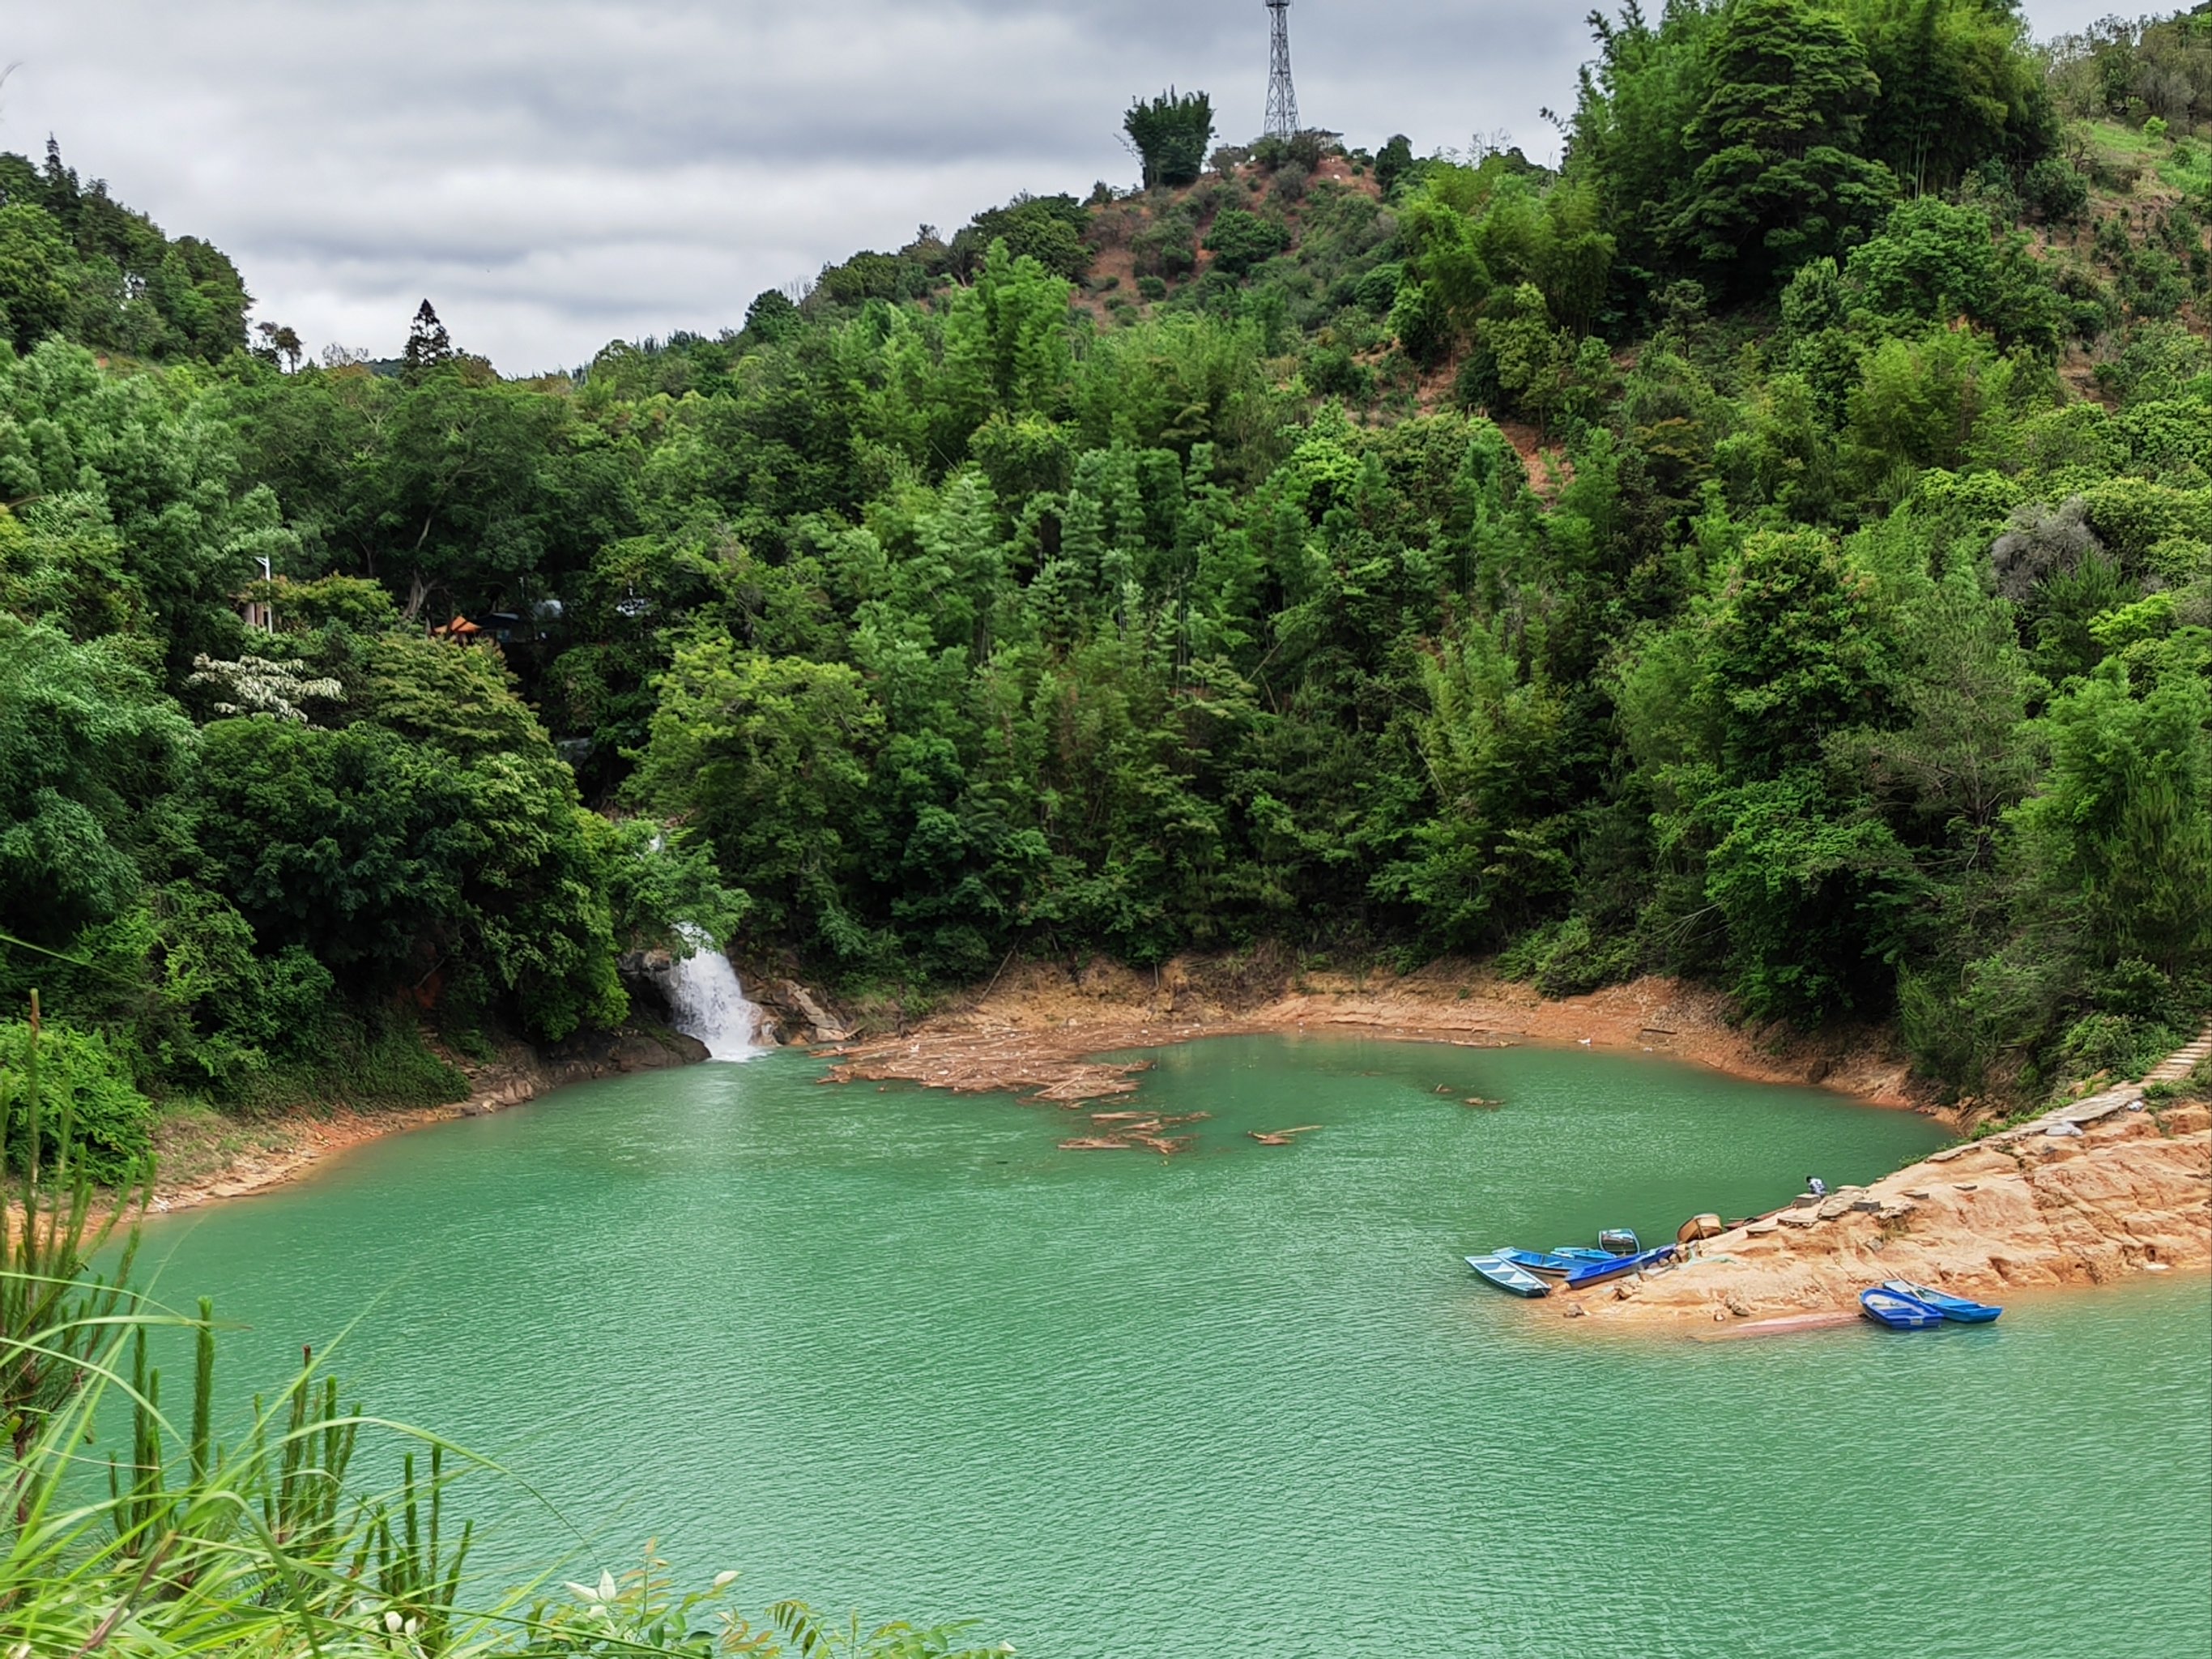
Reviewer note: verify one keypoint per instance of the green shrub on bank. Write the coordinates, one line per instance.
(382, 1064)
(86, 1091)
(1569, 958)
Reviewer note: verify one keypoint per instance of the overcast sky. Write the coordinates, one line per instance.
(556, 173)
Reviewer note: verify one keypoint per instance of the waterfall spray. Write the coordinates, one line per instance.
(709, 1002)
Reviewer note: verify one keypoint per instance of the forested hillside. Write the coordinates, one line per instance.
(1775, 548)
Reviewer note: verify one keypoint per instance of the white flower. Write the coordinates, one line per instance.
(581, 1592)
(607, 1591)
(392, 1622)
(724, 1580)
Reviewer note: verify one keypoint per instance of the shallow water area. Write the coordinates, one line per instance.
(896, 1350)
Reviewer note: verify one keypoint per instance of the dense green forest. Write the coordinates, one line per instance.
(1776, 547)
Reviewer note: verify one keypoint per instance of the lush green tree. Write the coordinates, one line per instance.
(2118, 840)
(769, 758)
(88, 751)
(1170, 134)
(1778, 178)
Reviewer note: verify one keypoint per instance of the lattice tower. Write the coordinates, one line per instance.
(1282, 96)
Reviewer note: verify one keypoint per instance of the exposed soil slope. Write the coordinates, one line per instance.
(1035, 1031)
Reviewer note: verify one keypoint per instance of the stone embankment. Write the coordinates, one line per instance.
(2090, 1192)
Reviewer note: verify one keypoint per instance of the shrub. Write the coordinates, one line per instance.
(1569, 959)
(83, 1085)
(1152, 288)
(1377, 291)
(1335, 373)
(2055, 192)
(1240, 241)
(1167, 247)
(1291, 181)
(2120, 1044)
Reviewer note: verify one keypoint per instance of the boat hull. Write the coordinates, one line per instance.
(1957, 1308)
(1898, 1313)
(1596, 1273)
(1515, 1281)
(1553, 1262)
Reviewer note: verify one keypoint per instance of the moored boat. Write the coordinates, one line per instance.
(1578, 1253)
(1898, 1313)
(1558, 1263)
(1594, 1273)
(1619, 1240)
(1957, 1308)
(1508, 1277)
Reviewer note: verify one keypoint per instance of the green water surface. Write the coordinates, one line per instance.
(894, 1350)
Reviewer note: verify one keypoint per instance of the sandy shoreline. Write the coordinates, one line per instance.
(1037, 1033)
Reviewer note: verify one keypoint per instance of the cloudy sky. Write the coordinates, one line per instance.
(556, 173)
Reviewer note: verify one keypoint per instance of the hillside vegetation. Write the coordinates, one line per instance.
(1775, 548)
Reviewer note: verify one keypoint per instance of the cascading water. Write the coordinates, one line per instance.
(709, 1002)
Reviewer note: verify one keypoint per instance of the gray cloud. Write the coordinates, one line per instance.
(557, 173)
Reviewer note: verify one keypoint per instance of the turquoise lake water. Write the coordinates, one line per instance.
(894, 1352)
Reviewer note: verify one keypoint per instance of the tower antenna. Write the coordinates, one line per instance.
(1282, 96)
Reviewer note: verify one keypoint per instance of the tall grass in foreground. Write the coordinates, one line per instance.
(168, 1544)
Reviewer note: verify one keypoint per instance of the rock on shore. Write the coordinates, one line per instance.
(2087, 1195)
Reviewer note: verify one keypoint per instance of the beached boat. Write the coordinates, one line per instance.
(1555, 1262)
(1619, 1240)
(1576, 1253)
(1594, 1273)
(1956, 1309)
(1899, 1313)
(1507, 1276)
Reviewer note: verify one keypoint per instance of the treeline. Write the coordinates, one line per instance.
(76, 262)
(1775, 548)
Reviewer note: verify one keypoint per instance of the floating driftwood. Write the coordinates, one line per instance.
(1281, 1137)
(1097, 1146)
(1481, 1105)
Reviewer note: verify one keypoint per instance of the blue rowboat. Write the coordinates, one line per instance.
(1956, 1309)
(1594, 1273)
(1507, 1276)
(1580, 1254)
(1556, 1262)
(1899, 1313)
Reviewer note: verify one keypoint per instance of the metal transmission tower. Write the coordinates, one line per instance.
(1282, 96)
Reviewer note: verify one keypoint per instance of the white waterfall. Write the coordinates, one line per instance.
(709, 1002)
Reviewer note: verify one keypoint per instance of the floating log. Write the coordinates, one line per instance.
(1096, 1146)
